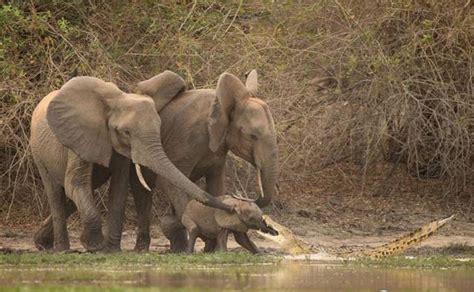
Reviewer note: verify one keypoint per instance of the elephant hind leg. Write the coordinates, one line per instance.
(57, 203)
(44, 237)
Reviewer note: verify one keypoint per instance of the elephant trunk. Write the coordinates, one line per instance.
(265, 228)
(148, 152)
(268, 173)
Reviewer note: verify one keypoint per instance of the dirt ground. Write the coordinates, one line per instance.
(334, 208)
(456, 234)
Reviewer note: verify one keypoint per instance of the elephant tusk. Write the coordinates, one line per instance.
(259, 181)
(141, 178)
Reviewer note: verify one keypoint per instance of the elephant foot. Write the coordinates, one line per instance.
(176, 233)
(178, 244)
(111, 243)
(92, 240)
(61, 247)
(210, 245)
(43, 242)
(44, 237)
(111, 248)
(256, 251)
(143, 242)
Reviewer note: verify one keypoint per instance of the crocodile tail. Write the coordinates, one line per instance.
(404, 242)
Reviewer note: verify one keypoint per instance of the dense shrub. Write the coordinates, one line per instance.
(360, 81)
(405, 70)
(400, 85)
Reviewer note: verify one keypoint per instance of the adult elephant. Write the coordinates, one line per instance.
(198, 129)
(88, 131)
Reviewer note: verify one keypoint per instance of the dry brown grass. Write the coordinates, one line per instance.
(348, 81)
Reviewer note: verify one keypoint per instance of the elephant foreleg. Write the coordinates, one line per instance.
(243, 239)
(222, 240)
(143, 202)
(193, 232)
(78, 187)
(117, 197)
(215, 181)
(215, 187)
(176, 232)
(44, 237)
(210, 245)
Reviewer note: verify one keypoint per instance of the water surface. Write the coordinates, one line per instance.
(283, 276)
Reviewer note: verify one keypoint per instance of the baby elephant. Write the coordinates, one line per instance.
(210, 224)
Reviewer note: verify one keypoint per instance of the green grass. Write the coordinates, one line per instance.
(92, 288)
(44, 271)
(180, 272)
(133, 258)
(459, 250)
(84, 289)
(438, 261)
(178, 261)
(427, 257)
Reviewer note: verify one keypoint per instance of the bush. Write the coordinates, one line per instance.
(394, 82)
(407, 75)
(347, 80)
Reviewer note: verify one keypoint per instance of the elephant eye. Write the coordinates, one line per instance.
(126, 133)
(254, 137)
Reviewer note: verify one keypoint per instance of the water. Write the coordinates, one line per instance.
(282, 276)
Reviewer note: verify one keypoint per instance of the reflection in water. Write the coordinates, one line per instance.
(286, 275)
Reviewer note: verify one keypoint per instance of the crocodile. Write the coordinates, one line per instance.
(294, 245)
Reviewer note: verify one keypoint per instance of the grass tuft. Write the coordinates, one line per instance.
(127, 259)
(431, 262)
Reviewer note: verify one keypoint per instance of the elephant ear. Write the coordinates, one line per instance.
(229, 220)
(230, 90)
(77, 115)
(252, 82)
(162, 88)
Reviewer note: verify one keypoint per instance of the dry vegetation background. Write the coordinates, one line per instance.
(373, 100)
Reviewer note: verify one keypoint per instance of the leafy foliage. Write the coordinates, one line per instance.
(347, 81)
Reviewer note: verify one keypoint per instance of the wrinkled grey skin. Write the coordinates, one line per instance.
(210, 224)
(198, 129)
(81, 135)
